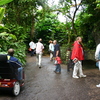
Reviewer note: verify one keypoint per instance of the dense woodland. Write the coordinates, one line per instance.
(22, 21)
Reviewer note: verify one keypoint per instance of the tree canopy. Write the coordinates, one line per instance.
(22, 21)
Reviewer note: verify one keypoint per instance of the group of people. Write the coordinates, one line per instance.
(77, 55)
(54, 49)
(38, 49)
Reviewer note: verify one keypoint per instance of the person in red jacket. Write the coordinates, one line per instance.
(77, 56)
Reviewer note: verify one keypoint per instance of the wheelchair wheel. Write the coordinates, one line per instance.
(16, 89)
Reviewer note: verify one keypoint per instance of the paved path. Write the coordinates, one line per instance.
(47, 85)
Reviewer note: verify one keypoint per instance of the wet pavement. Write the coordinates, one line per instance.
(44, 84)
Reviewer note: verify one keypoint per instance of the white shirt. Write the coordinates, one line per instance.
(97, 52)
(51, 47)
(39, 47)
(32, 45)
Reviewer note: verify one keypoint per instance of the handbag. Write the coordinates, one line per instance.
(59, 61)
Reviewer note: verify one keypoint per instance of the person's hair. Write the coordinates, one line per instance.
(50, 41)
(40, 40)
(78, 38)
(55, 41)
(11, 52)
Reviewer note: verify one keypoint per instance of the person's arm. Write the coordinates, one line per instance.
(76, 52)
(42, 46)
(49, 46)
(15, 61)
(57, 50)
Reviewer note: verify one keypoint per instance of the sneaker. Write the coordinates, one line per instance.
(98, 85)
(58, 72)
(75, 76)
(39, 66)
(82, 76)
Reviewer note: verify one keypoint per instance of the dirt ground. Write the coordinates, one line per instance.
(44, 84)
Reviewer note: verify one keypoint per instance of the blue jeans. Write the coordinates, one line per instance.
(58, 68)
(20, 73)
(32, 52)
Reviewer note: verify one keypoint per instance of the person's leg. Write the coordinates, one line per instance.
(56, 68)
(80, 69)
(75, 70)
(40, 59)
(20, 73)
(32, 52)
(50, 56)
(37, 59)
(99, 65)
(59, 68)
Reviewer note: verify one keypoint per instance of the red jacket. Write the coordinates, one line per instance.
(77, 51)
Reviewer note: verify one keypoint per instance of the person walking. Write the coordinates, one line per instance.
(77, 56)
(56, 54)
(97, 57)
(33, 47)
(51, 50)
(39, 51)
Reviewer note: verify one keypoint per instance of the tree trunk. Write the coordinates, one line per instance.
(32, 28)
(76, 8)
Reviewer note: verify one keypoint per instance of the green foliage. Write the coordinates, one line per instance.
(49, 28)
(10, 41)
(3, 2)
(23, 21)
(3, 28)
(85, 25)
(18, 31)
(2, 10)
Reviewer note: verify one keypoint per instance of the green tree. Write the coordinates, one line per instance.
(50, 28)
(23, 13)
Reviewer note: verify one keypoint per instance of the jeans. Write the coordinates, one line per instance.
(98, 64)
(58, 68)
(20, 73)
(32, 52)
(38, 59)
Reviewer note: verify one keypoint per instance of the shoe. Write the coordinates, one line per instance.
(82, 76)
(98, 85)
(39, 66)
(75, 76)
(58, 72)
(55, 71)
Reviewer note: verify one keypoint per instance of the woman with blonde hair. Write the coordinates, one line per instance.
(51, 49)
(77, 56)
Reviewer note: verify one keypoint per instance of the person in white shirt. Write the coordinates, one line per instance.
(33, 47)
(39, 51)
(51, 50)
(97, 57)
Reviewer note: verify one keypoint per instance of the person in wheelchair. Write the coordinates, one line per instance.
(15, 63)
